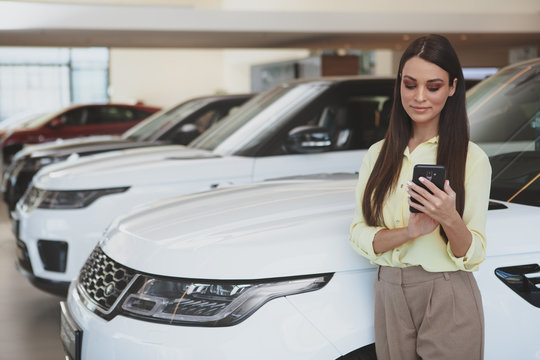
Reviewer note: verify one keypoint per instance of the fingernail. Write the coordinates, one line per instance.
(409, 183)
(421, 179)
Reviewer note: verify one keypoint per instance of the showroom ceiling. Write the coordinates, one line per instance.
(40, 24)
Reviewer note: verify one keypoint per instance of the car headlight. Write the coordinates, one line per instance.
(209, 303)
(62, 199)
(73, 199)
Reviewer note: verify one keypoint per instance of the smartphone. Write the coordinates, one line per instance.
(434, 173)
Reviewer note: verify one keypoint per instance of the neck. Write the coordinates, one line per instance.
(423, 133)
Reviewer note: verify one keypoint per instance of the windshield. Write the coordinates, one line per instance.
(262, 116)
(152, 127)
(504, 115)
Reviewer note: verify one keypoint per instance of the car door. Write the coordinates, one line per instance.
(353, 117)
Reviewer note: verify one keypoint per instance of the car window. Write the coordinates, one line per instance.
(99, 115)
(205, 120)
(260, 117)
(152, 127)
(75, 117)
(351, 110)
(504, 115)
(138, 114)
(357, 122)
(185, 131)
(355, 115)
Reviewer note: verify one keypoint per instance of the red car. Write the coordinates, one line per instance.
(74, 121)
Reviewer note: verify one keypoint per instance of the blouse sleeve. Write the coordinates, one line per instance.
(477, 188)
(361, 235)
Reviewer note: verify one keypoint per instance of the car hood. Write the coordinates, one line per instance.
(139, 166)
(63, 150)
(29, 150)
(271, 229)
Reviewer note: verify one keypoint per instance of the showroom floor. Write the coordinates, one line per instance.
(29, 318)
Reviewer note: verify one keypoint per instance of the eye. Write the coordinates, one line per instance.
(433, 88)
(409, 84)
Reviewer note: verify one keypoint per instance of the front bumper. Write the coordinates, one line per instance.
(50, 247)
(57, 242)
(24, 266)
(278, 330)
(59, 288)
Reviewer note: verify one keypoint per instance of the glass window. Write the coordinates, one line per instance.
(75, 117)
(89, 75)
(356, 122)
(159, 123)
(32, 89)
(36, 80)
(206, 119)
(108, 115)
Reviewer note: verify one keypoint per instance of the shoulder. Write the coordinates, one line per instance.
(375, 149)
(371, 156)
(477, 158)
(475, 153)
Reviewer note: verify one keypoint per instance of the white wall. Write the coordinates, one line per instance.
(164, 77)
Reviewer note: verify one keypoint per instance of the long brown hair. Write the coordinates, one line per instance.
(453, 132)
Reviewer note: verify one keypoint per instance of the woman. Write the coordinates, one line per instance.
(427, 303)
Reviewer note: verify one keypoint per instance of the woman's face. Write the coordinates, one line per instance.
(424, 90)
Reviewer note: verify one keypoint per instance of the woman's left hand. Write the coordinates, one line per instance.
(440, 206)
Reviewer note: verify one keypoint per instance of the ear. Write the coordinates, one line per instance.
(453, 87)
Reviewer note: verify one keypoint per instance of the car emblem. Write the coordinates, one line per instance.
(109, 289)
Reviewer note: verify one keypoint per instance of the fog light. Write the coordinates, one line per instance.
(53, 255)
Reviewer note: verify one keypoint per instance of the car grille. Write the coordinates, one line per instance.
(103, 280)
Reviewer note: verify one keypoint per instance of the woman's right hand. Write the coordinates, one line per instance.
(421, 224)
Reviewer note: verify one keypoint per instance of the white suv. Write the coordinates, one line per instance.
(266, 271)
(302, 127)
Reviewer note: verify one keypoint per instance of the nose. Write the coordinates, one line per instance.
(420, 94)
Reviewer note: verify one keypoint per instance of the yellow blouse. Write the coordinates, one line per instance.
(429, 251)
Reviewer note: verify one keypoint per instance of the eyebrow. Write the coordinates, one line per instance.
(429, 81)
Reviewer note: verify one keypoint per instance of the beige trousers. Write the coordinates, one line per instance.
(429, 316)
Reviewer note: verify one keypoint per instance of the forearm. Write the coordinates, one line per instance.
(389, 239)
(459, 236)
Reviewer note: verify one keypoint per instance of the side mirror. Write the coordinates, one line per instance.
(185, 134)
(308, 139)
(55, 123)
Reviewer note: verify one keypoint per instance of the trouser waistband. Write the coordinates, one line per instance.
(409, 275)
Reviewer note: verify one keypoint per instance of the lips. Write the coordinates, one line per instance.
(420, 109)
